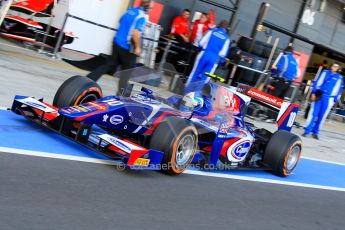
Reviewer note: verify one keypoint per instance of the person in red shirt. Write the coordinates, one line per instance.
(200, 27)
(180, 27)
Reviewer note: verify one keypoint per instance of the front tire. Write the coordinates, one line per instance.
(178, 139)
(77, 90)
(282, 153)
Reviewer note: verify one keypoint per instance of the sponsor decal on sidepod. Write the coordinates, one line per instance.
(239, 150)
(116, 120)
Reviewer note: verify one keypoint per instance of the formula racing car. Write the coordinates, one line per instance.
(29, 21)
(149, 127)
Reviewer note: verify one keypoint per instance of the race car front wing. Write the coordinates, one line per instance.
(122, 151)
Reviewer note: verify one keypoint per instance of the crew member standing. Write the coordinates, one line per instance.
(127, 44)
(215, 47)
(200, 27)
(327, 90)
(180, 27)
(287, 70)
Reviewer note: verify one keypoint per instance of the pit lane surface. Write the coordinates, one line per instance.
(43, 193)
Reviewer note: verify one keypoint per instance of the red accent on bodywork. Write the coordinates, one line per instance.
(47, 116)
(33, 5)
(21, 38)
(227, 145)
(265, 97)
(135, 155)
(25, 21)
(271, 87)
(286, 114)
(117, 150)
(159, 120)
(207, 148)
(100, 108)
(227, 100)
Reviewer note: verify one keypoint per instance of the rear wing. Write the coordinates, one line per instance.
(287, 112)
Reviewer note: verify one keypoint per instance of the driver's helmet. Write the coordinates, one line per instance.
(191, 101)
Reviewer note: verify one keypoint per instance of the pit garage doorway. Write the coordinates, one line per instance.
(320, 59)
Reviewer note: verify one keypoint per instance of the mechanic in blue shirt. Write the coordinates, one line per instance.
(286, 70)
(327, 90)
(215, 47)
(127, 44)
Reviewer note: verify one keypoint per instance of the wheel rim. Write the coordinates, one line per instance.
(293, 158)
(185, 151)
(88, 98)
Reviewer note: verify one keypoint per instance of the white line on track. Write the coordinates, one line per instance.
(191, 172)
(56, 156)
(324, 161)
(3, 108)
(234, 177)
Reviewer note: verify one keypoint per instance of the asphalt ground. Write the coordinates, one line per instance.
(42, 193)
(45, 193)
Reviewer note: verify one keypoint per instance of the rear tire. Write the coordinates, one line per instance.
(178, 139)
(282, 153)
(77, 90)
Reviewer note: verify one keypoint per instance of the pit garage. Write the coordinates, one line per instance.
(48, 181)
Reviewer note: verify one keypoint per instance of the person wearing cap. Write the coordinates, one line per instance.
(215, 46)
(127, 43)
(327, 90)
(286, 70)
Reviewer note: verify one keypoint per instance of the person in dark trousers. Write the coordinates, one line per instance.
(127, 44)
(286, 70)
(327, 90)
(180, 32)
(180, 27)
(199, 29)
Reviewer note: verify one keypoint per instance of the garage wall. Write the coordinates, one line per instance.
(93, 39)
(282, 12)
(327, 28)
(332, 30)
(172, 9)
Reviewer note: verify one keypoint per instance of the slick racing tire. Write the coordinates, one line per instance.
(77, 90)
(282, 153)
(178, 139)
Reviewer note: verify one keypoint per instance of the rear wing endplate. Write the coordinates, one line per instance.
(287, 111)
